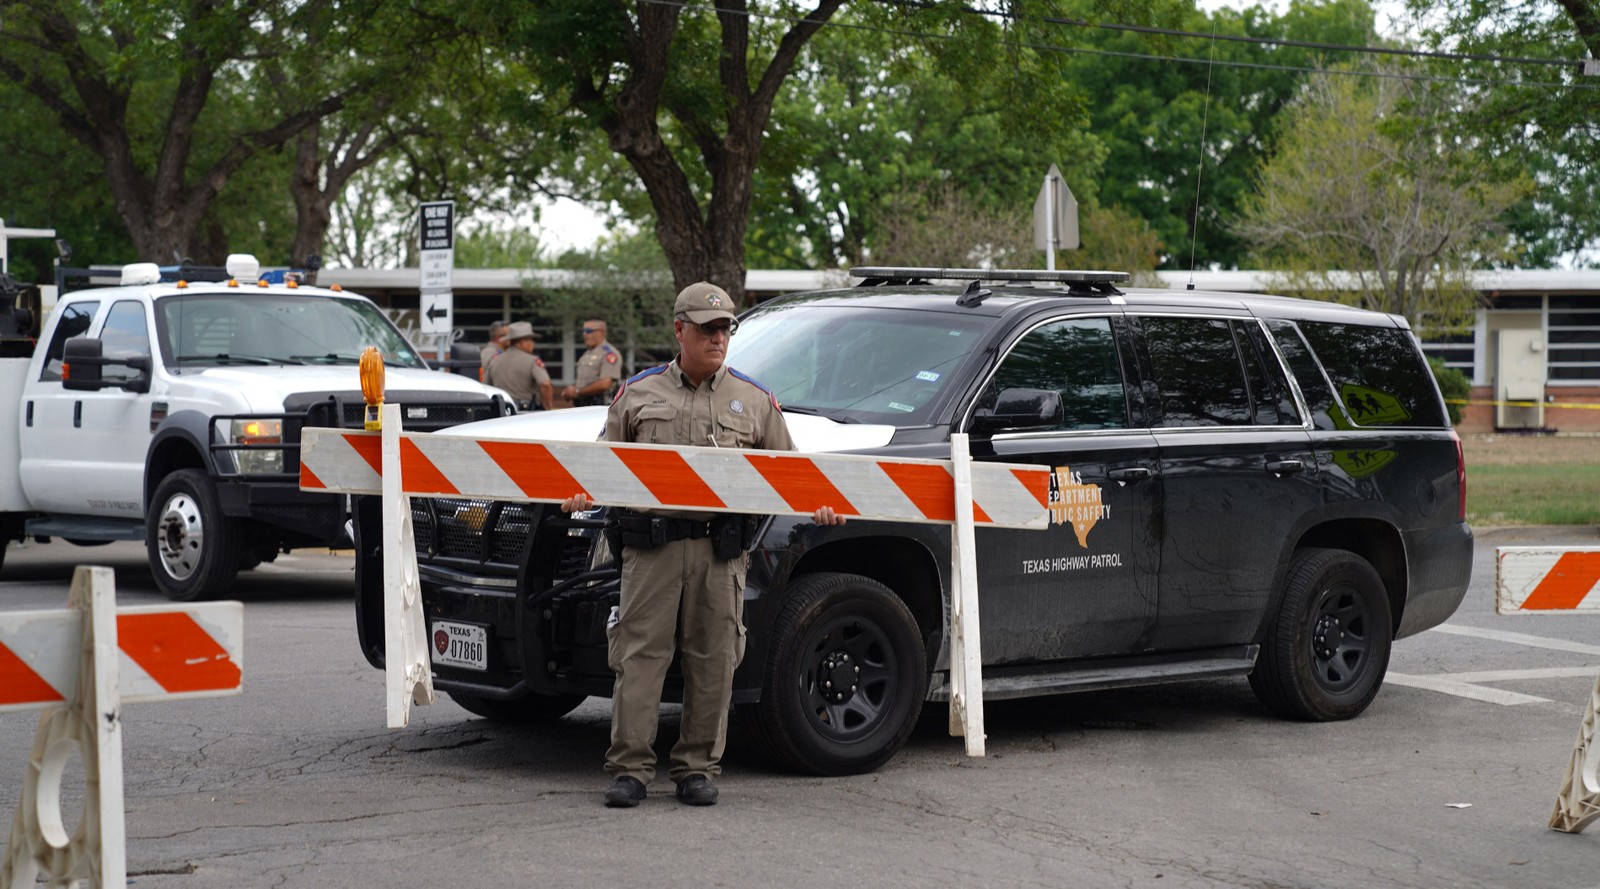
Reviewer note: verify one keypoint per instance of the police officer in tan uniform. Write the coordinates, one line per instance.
(520, 372)
(599, 370)
(683, 572)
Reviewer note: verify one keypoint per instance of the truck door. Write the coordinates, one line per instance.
(52, 418)
(116, 428)
(1085, 586)
(1237, 474)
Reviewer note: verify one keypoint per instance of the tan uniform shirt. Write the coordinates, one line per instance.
(601, 361)
(519, 373)
(728, 410)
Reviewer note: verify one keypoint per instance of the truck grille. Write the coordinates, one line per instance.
(454, 528)
(422, 417)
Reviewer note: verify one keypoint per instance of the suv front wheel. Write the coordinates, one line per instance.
(845, 677)
(1327, 648)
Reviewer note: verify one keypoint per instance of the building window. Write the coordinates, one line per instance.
(1574, 340)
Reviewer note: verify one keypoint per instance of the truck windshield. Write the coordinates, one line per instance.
(855, 363)
(270, 328)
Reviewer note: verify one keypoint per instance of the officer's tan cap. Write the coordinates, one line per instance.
(517, 330)
(703, 302)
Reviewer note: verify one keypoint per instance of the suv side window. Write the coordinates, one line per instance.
(1274, 399)
(1076, 357)
(74, 321)
(1378, 374)
(1197, 371)
(1313, 385)
(124, 335)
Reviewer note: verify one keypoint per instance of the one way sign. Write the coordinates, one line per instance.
(437, 312)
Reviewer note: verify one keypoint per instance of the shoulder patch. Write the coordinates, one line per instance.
(538, 362)
(611, 358)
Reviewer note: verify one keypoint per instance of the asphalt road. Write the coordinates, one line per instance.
(297, 783)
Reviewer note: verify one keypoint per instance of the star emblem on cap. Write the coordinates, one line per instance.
(714, 301)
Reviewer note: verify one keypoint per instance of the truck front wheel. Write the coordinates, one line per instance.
(194, 549)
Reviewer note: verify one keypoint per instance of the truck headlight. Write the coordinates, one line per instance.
(257, 432)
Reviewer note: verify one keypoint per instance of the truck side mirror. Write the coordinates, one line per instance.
(140, 363)
(81, 364)
(1020, 409)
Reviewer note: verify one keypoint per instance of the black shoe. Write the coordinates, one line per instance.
(627, 792)
(697, 790)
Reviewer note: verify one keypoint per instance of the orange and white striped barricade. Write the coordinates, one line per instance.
(80, 665)
(955, 491)
(1553, 580)
(1534, 579)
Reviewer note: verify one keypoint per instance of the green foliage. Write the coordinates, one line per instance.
(1366, 199)
(1550, 131)
(1454, 386)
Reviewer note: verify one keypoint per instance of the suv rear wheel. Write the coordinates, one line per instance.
(1327, 649)
(193, 548)
(845, 677)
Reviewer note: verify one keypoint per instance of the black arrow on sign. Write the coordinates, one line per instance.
(435, 313)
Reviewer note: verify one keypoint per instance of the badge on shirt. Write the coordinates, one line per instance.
(736, 406)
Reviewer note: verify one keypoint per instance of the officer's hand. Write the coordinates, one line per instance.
(826, 516)
(577, 503)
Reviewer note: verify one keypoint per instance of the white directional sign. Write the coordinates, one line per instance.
(437, 231)
(436, 314)
(1055, 217)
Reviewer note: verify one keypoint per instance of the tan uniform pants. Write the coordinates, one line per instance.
(678, 595)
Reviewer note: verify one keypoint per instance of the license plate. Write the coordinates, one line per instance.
(460, 645)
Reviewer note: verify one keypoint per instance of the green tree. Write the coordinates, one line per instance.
(175, 98)
(1366, 197)
(1541, 118)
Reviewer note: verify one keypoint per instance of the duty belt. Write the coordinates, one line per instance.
(653, 531)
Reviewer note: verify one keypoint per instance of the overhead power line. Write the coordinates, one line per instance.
(1185, 60)
(1262, 41)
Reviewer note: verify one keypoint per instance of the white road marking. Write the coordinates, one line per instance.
(1518, 639)
(1469, 684)
(1452, 686)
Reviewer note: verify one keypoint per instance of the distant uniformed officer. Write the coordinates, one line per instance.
(599, 369)
(520, 372)
(497, 344)
(683, 572)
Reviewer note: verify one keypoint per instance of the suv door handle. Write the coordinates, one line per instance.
(1130, 474)
(1285, 467)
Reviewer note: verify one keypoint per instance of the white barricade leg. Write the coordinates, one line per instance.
(1578, 804)
(966, 647)
(408, 670)
(91, 726)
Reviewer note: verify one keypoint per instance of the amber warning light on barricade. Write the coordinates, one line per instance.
(372, 386)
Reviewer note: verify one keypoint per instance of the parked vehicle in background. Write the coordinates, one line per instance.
(168, 406)
(1242, 486)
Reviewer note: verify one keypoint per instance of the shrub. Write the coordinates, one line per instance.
(1454, 385)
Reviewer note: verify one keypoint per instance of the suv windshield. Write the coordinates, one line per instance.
(271, 328)
(853, 363)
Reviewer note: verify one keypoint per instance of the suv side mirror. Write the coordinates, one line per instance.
(1020, 409)
(81, 363)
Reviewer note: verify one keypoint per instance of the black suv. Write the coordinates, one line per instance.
(1242, 485)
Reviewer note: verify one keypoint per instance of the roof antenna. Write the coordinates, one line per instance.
(1205, 116)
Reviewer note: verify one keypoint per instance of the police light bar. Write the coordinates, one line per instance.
(1064, 276)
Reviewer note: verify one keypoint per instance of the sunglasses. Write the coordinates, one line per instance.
(593, 329)
(712, 328)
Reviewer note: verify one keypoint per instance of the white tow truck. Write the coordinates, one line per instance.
(168, 406)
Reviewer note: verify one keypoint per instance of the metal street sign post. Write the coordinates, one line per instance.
(1055, 217)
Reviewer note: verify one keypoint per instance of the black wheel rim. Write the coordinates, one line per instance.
(1341, 646)
(848, 677)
